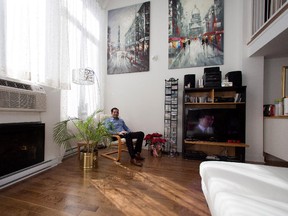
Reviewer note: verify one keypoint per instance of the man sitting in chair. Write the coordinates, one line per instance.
(117, 126)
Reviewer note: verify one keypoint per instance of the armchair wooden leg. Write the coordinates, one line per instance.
(118, 151)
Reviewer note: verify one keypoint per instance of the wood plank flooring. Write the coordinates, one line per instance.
(163, 186)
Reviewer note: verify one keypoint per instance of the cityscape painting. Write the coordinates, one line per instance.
(128, 39)
(196, 33)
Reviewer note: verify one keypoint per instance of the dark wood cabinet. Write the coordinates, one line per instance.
(214, 123)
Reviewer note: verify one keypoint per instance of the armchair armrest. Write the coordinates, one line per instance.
(118, 142)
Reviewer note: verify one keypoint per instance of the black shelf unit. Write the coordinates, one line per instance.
(222, 98)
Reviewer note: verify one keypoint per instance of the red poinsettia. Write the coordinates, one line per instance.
(158, 140)
(151, 136)
(155, 142)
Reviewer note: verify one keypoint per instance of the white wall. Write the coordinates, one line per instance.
(50, 118)
(275, 130)
(272, 79)
(140, 96)
(275, 137)
(254, 107)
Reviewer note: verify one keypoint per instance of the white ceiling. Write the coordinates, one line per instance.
(278, 47)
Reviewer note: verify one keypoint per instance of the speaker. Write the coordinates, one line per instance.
(189, 79)
(235, 77)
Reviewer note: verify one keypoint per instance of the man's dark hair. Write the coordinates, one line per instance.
(204, 113)
(114, 108)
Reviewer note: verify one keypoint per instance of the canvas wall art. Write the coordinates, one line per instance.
(128, 39)
(196, 33)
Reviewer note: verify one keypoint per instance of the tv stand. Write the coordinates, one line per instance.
(214, 97)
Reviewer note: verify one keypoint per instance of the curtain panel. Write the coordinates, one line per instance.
(44, 40)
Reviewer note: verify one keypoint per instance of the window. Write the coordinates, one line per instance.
(43, 41)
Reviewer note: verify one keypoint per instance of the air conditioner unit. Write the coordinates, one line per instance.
(20, 96)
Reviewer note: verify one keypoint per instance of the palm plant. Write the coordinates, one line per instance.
(89, 131)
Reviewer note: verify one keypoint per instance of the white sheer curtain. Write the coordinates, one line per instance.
(44, 40)
(85, 24)
(33, 43)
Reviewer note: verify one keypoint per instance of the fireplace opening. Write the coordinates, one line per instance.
(21, 146)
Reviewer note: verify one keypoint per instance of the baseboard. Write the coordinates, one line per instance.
(274, 161)
(70, 152)
(20, 175)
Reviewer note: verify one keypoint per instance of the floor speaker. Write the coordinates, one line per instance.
(189, 80)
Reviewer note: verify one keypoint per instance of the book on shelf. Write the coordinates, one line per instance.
(237, 97)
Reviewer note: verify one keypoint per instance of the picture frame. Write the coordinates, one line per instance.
(196, 33)
(128, 39)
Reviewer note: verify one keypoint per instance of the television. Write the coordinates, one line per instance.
(215, 124)
(21, 145)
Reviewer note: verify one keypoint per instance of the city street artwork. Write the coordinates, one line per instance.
(196, 33)
(128, 39)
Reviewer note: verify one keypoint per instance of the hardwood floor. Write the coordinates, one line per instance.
(163, 186)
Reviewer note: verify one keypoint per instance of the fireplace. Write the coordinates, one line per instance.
(21, 146)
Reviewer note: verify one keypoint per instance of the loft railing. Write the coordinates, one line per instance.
(264, 12)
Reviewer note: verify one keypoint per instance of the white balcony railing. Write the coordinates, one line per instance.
(264, 11)
(269, 28)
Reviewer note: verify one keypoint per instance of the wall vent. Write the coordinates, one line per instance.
(18, 96)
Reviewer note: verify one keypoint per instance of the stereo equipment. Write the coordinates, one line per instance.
(235, 77)
(212, 77)
(211, 69)
(189, 81)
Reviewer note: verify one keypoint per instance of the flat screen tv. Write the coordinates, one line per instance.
(217, 125)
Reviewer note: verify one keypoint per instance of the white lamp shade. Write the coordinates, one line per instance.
(83, 76)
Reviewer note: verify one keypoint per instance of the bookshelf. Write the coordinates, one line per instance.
(221, 100)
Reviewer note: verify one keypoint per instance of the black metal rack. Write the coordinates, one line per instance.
(171, 115)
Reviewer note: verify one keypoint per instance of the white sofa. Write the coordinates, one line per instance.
(243, 189)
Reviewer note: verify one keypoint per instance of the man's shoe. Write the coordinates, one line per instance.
(135, 162)
(139, 157)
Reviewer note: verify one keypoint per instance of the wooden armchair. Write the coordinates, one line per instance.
(120, 144)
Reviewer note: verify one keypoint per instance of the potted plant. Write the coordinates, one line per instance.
(90, 131)
(155, 143)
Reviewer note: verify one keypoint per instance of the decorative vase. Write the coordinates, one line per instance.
(156, 150)
(89, 160)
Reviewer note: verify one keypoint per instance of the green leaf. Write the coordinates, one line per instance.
(88, 130)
